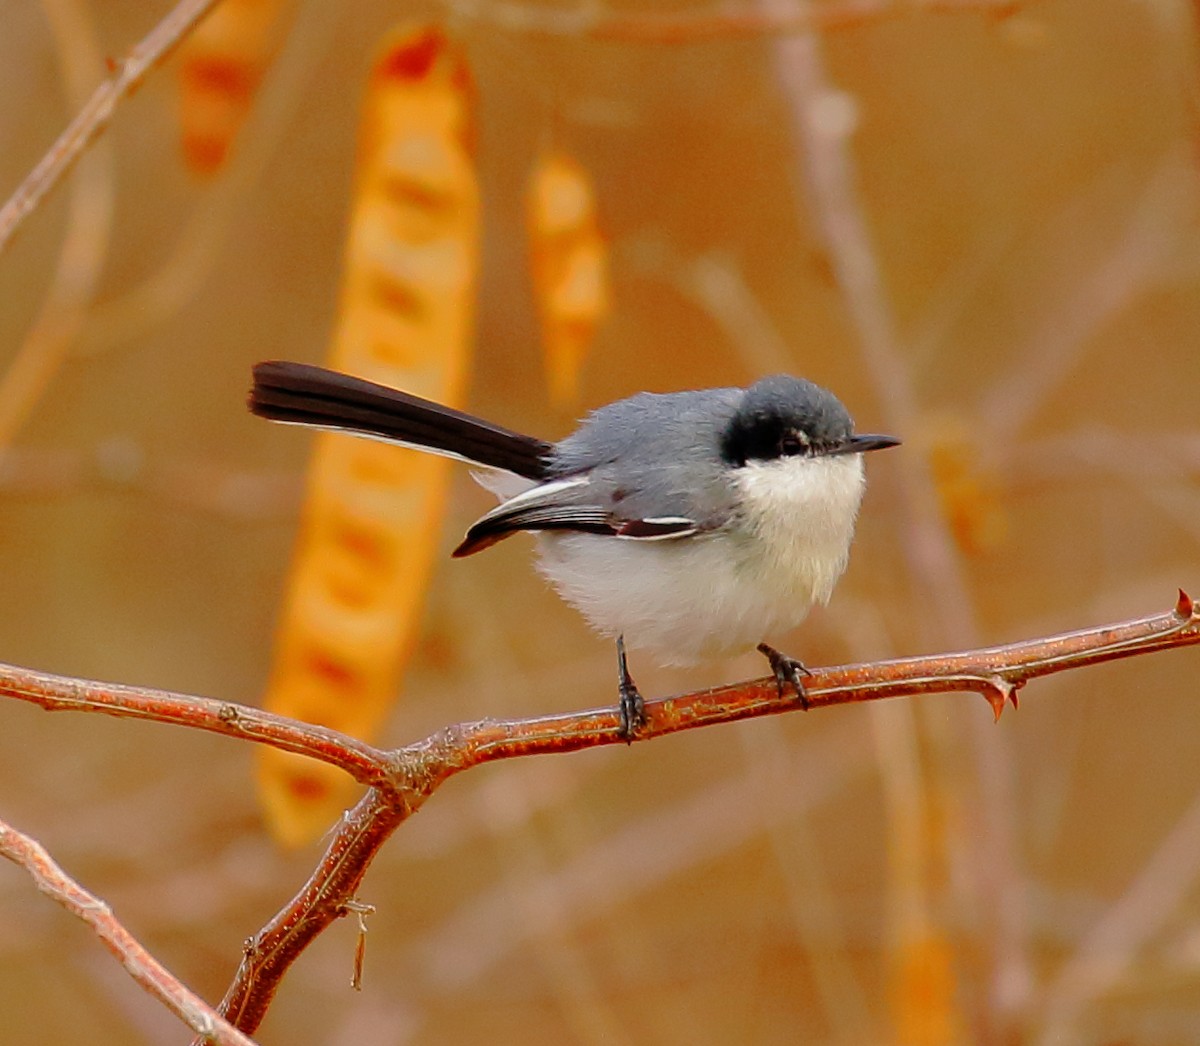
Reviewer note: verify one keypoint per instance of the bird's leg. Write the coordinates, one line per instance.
(632, 708)
(787, 670)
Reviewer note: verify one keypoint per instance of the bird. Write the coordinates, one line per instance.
(688, 524)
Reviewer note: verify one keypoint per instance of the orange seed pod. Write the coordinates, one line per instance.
(371, 523)
(569, 263)
(969, 494)
(221, 65)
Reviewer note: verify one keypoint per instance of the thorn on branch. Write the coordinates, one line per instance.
(999, 690)
(1184, 607)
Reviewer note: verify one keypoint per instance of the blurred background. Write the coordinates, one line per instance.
(978, 225)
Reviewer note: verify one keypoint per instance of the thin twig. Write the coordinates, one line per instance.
(1157, 223)
(56, 693)
(97, 113)
(722, 22)
(84, 246)
(646, 27)
(1111, 946)
(198, 248)
(51, 880)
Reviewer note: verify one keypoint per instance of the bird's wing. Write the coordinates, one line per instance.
(568, 504)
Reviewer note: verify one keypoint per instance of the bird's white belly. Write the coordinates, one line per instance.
(689, 597)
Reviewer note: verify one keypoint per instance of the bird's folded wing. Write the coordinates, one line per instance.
(562, 505)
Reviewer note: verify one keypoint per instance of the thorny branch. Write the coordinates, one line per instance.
(402, 779)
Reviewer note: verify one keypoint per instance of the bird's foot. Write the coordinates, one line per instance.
(632, 707)
(788, 671)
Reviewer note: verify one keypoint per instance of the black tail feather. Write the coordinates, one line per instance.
(301, 394)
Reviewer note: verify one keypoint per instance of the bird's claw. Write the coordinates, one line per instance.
(632, 706)
(788, 671)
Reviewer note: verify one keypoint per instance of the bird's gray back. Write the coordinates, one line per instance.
(655, 454)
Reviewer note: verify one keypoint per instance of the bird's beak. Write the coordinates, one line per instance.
(862, 443)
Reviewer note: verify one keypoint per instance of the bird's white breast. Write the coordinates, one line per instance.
(802, 511)
(728, 589)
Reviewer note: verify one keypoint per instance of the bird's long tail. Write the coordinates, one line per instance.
(301, 394)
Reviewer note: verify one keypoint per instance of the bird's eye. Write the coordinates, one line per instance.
(792, 444)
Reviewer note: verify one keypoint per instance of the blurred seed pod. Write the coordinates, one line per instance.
(221, 65)
(569, 266)
(970, 495)
(372, 519)
(924, 992)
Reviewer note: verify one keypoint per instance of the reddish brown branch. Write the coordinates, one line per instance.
(361, 761)
(403, 779)
(51, 880)
(97, 113)
(326, 896)
(996, 672)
